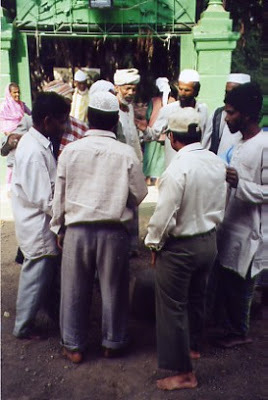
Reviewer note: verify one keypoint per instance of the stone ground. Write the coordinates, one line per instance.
(37, 371)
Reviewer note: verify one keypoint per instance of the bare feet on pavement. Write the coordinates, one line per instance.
(194, 355)
(182, 381)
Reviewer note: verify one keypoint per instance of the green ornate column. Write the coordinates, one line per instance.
(21, 60)
(6, 43)
(214, 41)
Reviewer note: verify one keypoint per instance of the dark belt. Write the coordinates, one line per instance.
(198, 235)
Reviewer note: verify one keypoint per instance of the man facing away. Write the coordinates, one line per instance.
(240, 236)
(32, 193)
(217, 136)
(188, 90)
(99, 181)
(181, 232)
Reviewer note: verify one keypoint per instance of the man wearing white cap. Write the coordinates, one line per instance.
(217, 136)
(182, 234)
(99, 181)
(126, 81)
(188, 89)
(80, 96)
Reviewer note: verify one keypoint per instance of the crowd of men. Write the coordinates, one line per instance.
(80, 198)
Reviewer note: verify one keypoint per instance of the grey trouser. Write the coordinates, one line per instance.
(35, 282)
(181, 276)
(88, 247)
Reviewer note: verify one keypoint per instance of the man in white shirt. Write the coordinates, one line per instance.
(32, 192)
(126, 81)
(99, 181)
(188, 90)
(181, 232)
(80, 97)
(240, 236)
(217, 136)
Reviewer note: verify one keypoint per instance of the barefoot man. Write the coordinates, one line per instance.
(181, 233)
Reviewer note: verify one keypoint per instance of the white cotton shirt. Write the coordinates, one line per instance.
(192, 195)
(161, 124)
(33, 183)
(99, 179)
(241, 233)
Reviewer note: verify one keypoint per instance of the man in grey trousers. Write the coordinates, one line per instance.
(182, 233)
(99, 181)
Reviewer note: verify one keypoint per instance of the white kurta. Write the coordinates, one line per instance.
(33, 185)
(240, 234)
(130, 131)
(161, 123)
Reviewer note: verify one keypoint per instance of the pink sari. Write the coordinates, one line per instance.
(11, 112)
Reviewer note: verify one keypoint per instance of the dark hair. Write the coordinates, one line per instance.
(101, 119)
(247, 99)
(196, 86)
(192, 136)
(49, 104)
(13, 85)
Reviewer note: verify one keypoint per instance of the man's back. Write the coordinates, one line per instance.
(202, 175)
(100, 174)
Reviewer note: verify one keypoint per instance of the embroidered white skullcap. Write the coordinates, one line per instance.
(101, 86)
(189, 75)
(104, 101)
(180, 121)
(239, 78)
(163, 86)
(80, 76)
(126, 77)
(60, 87)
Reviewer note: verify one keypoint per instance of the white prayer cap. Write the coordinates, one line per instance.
(101, 86)
(80, 76)
(189, 75)
(104, 101)
(239, 78)
(179, 122)
(163, 86)
(126, 77)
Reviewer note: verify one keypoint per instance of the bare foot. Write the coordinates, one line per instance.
(183, 381)
(194, 355)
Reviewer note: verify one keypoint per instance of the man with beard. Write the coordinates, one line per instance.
(217, 137)
(126, 81)
(240, 236)
(188, 89)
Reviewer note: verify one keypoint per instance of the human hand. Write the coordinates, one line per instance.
(60, 239)
(13, 140)
(141, 124)
(153, 258)
(232, 177)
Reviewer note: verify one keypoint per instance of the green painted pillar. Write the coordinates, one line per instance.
(187, 52)
(214, 41)
(21, 60)
(6, 44)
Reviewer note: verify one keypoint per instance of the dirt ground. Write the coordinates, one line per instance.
(37, 371)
